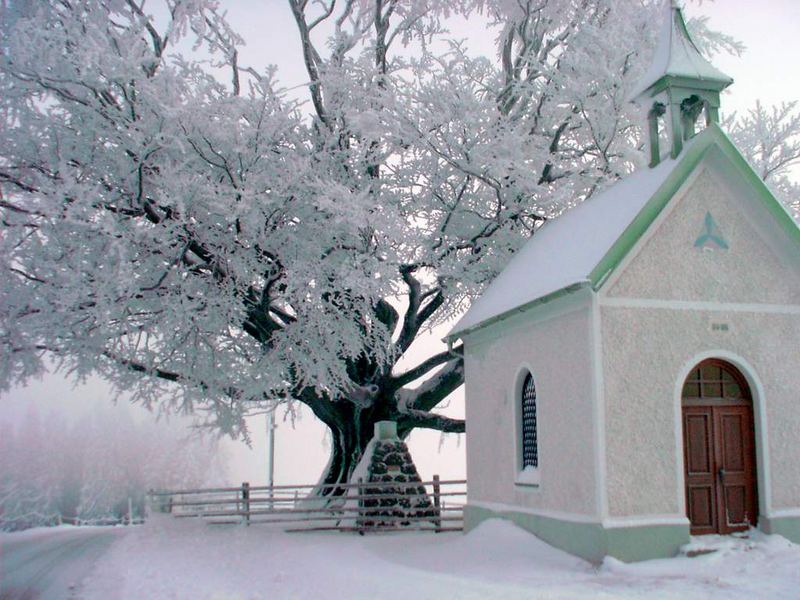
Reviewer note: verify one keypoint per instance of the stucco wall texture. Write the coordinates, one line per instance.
(558, 354)
(646, 349)
(751, 270)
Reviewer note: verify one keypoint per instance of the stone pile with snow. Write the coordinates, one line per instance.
(387, 461)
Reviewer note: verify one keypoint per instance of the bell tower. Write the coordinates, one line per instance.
(680, 88)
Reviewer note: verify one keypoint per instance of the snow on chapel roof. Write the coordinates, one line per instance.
(566, 249)
(582, 246)
(677, 56)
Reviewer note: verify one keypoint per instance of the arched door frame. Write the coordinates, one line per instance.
(763, 477)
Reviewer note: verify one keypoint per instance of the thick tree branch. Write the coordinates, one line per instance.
(425, 367)
(436, 389)
(386, 314)
(428, 309)
(408, 332)
(140, 368)
(311, 58)
(159, 43)
(417, 313)
(426, 420)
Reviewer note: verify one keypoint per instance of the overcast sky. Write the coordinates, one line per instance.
(768, 71)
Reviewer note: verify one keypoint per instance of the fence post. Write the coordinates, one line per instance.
(437, 503)
(360, 513)
(246, 502)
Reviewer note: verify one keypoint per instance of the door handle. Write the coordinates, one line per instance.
(721, 474)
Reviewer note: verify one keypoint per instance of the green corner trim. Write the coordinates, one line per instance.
(788, 527)
(591, 541)
(688, 84)
(711, 138)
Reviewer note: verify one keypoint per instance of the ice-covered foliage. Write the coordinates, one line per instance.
(147, 212)
(770, 138)
(175, 222)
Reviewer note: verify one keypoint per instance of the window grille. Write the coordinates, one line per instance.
(530, 449)
(715, 379)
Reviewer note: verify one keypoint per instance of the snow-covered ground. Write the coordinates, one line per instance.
(170, 558)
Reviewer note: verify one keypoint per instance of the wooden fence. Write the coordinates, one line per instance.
(358, 507)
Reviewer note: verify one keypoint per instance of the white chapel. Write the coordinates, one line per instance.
(633, 375)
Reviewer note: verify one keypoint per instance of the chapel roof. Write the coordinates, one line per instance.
(566, 249)
(585, 244)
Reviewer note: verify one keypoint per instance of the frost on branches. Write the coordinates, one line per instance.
(771, 139)
(176, 222)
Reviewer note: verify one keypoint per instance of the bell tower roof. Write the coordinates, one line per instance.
(679, 88)
(678, 60)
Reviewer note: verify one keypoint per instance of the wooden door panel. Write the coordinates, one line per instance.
(733, 432)
(702, 509)
(698, 449)
(735, 449)
(736, 513)
(697, 425)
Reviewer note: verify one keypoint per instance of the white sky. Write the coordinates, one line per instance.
(768, 71)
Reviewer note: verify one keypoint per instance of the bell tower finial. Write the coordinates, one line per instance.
(679, 87)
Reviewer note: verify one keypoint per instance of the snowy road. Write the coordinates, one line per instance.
(50, 564)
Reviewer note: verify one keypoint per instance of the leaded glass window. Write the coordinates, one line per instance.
(713, 379)
(530, 448)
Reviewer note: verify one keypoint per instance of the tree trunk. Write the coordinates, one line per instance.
(352, 424)
(351, 430)
(346, 451)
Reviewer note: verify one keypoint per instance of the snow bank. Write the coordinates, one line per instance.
(170, 558)
(754, 565)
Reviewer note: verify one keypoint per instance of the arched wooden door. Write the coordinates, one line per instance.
(719, 449)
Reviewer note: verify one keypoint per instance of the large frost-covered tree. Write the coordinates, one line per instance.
(175, 221)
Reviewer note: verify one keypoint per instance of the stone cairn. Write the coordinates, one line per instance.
(390, 463)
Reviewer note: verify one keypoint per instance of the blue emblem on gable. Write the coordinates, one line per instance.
(711, 236)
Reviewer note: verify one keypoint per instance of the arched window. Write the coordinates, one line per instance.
(530, 447)
(715, 379)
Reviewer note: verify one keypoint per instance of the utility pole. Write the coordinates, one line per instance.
(271, 452)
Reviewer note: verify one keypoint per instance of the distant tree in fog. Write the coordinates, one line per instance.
(51, 472)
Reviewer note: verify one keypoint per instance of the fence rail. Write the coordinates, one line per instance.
(360, 507)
